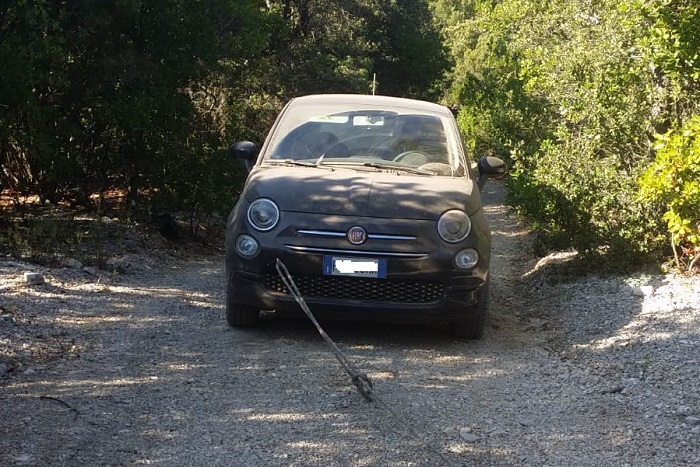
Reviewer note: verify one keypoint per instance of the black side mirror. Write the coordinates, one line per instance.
(245, 150)
(489, 166)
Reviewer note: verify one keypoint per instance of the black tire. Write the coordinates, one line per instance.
(473, 327)
(239, 315)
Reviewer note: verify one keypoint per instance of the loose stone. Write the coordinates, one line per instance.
(34, 278)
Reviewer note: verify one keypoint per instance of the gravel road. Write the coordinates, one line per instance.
(141, 369)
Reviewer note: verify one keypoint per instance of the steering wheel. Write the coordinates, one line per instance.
(412, 158)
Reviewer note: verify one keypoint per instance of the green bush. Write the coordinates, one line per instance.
(572, 92)
(672, 183)
(576, 198)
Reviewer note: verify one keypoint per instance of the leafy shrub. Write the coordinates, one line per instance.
(576, 198)
(672, 182)
(573, 92)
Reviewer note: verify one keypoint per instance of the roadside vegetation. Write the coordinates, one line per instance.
(596, 106)
(125, 109)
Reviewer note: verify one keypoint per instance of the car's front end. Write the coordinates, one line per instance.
(363, 238)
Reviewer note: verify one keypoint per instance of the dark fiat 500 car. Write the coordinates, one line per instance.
(372, 205)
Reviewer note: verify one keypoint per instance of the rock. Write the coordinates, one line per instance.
(92, 271)
(22, 458)
(630, 382)
(121, 264)
(692, 420)
(467, 436)
(29, 372)
(4, 369)
(34, 278)
(643, 291)
(72, 263)
(537, 324)
(685, 410)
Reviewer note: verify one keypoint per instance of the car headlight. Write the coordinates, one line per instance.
(247, 246)
(263, 214)
(454, 226)
(467, 259)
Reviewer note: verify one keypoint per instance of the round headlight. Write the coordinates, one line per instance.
(454, 226)
(467, 259)
(247, 246)
(263, 214)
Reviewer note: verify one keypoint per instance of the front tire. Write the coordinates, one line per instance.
(473, 327)
(239, 315)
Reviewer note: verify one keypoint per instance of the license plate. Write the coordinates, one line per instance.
(354, 267)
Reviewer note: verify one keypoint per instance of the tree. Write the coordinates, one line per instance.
(100, 95)
(144, 97)
(409, 55)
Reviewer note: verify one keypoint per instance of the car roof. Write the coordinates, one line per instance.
(373, 100)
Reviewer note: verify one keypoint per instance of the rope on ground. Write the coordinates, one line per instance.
(360, 380)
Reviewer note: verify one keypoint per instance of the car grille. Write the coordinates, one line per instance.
(374, 290)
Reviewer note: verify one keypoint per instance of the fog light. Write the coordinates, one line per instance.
(247, 246)
(467, 259)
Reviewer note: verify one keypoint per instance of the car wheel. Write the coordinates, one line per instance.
(473, 327)
(239, 315)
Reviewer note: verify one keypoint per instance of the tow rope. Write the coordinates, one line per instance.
(360, 380)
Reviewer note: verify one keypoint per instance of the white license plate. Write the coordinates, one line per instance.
(354, 267)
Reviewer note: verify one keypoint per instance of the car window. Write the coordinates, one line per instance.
(366, 135)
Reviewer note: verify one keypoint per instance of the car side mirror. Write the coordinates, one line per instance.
(246, 150)
(489, 166)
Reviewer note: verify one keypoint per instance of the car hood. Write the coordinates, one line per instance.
(358, 193)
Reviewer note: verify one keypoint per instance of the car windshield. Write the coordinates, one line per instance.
(348, 136)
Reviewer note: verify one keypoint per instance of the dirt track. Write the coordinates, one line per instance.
(148, 373)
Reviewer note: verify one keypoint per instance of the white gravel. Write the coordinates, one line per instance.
(140, 368)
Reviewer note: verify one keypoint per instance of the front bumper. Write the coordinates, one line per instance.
(360, 299)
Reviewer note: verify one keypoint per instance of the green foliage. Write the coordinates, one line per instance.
(409, 55)
(317, 46)
(103, 91)
(496, 114)
(143, 98)
(673, 182)
(672, 45)
(572, 93)
(587, 203)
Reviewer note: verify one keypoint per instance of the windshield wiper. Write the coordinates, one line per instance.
(297, 163)
(379, 165)
(403, 168)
